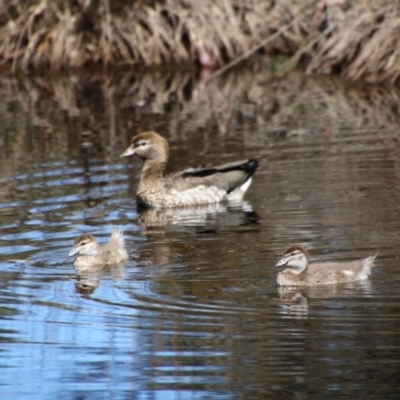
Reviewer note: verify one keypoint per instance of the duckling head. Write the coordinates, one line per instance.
(296, 258)
(85, 245)
(148, 146)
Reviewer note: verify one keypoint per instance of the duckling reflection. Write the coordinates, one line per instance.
(88, 279)
(91, 254)
(296, 299)
(296, 302)
(301, 272)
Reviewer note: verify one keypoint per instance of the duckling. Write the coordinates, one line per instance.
(192, 187)
(91, 254)
(301, 272)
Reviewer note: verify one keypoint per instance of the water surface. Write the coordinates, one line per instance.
(194, 313)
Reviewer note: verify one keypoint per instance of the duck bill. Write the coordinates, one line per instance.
(128, 152)
(72, 252)
(281, 263)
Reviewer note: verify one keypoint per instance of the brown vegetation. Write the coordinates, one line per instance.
(64, 34)
(356, 38)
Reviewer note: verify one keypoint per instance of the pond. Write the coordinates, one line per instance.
(195, 313)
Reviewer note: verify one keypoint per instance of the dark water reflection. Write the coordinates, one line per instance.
(195, 313)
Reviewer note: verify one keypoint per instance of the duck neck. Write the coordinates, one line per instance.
(153, 170)
(298, 270)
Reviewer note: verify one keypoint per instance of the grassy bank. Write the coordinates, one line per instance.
(354, 38)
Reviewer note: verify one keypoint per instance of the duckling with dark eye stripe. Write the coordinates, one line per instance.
(91, 254)
(300, 272)
(192, 187)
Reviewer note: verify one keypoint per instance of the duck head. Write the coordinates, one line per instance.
(148, 146)
(85, 245)
(295, 258)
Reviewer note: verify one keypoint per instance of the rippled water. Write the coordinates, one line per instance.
(195, 313)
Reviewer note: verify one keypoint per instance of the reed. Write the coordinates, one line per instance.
(356, 39)
(60, 34)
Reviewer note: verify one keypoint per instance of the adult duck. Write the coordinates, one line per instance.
(191, 187)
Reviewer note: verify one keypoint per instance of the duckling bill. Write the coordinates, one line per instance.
(192, 187)
(301, 272)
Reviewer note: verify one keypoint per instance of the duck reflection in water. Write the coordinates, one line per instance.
(88, 279)
(157, 222)
(232, 214)
(297, 299)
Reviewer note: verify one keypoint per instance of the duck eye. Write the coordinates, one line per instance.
(82, 243)
(142, 143)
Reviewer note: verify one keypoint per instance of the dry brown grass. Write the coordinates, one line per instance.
(358, 39)
(355, 38)
(58, 34)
